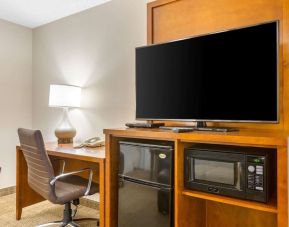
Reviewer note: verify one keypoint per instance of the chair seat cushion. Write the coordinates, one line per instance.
(71, 188)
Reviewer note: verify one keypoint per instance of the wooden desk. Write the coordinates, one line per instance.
(75, 159)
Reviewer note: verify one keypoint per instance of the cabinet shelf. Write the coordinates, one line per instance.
(270, 207)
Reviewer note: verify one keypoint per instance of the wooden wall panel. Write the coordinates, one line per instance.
(184, 18)
(175, 19)
(285, 63)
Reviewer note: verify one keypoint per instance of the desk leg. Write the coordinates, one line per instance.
(101, 193)
(19, 166)
(25, 196)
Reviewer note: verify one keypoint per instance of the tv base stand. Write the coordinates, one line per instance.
(216, 129)
(200, 126)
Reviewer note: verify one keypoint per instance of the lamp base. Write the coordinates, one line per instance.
(65, 131)
(65, 140)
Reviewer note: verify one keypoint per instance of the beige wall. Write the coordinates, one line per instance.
(95, 50)
(15, 93)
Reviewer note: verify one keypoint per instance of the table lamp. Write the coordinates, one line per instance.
(64, 96)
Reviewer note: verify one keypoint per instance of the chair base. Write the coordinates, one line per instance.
(72, 223)
(68, 218)
(59, 223)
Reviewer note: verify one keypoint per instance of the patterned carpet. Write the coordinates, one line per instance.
(40, 213)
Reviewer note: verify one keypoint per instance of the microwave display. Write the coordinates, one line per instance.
(214, 171)
(241, 172)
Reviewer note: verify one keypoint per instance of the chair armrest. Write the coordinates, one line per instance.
(52, 182)
(63, 164)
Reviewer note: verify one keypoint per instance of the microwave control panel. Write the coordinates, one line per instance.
(255, 173)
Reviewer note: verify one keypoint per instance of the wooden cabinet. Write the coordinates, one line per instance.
(175, 19)
(200, 209)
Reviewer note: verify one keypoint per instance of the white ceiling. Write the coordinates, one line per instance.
(34, 13)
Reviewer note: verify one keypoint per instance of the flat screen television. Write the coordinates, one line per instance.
(229, 76)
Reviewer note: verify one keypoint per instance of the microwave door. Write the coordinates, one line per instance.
(219, 172)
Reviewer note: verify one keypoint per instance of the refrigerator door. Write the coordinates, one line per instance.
(146, 163)
(143, 206)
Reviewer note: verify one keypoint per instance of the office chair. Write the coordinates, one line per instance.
(65, 189)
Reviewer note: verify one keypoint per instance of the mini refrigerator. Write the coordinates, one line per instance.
(145, 193)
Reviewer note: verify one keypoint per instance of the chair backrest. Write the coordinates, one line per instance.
(40, 170)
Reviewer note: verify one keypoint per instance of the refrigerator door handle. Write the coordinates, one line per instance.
(121, 182)
(154, 186)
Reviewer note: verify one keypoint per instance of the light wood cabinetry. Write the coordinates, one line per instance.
(175, 19)
(199, 209)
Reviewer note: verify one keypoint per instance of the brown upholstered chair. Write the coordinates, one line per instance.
(65, 188)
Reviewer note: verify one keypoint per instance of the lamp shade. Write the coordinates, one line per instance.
(64, 96)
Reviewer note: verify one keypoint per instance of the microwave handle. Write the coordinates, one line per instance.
(189, 166)
(239, 173)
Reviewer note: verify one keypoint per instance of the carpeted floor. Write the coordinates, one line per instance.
(40, 213)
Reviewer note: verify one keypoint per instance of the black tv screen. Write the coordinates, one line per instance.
(225, 76)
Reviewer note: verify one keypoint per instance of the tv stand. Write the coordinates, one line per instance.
(200, 126)
(193, 208)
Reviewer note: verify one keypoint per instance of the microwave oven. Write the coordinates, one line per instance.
(242, 172)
